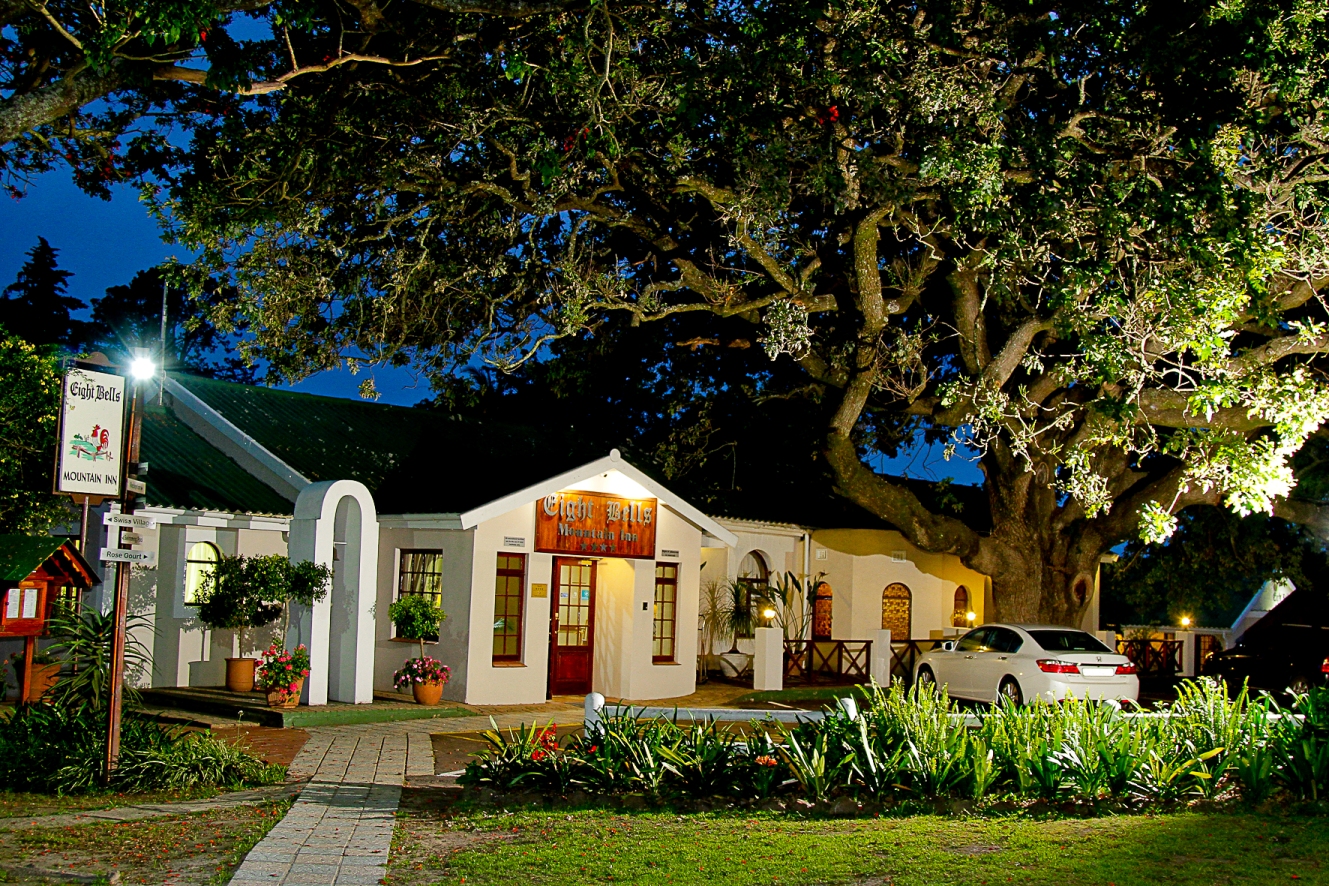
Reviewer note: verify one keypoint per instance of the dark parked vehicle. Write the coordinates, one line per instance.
(1286, 651)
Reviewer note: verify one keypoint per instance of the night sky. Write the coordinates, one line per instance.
(105, 243)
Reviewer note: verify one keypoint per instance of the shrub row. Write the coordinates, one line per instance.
(57, 749)
(915, 744)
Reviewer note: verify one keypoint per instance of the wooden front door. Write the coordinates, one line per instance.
(572, 627)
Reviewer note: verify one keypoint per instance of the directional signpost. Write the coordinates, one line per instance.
(99, 441)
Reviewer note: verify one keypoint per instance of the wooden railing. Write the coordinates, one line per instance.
(905, 654)
(837, 660)
(1153, 658)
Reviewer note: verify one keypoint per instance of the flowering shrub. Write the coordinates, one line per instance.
(282, 671)
(425, 669)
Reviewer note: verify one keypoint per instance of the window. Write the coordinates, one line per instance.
(1004, 640)
(509, 595)
(1067, 641)
(754, 578)
(421, 572)
(974, 641)
(666, 601)
(960, 613)
(200, 562)
(896, 610)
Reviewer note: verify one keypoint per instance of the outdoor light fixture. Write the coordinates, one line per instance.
(1185, 621)
(768, 613)
(971, 617)
(142, 367)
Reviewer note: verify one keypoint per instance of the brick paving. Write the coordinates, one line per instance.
(339, 831)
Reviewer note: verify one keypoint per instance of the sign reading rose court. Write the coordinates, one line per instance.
(92, 426)
(595, 523)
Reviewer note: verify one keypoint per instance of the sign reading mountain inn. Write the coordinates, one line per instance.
(596, 524)
(92, 427)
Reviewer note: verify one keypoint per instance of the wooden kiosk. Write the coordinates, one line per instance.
(37, 573)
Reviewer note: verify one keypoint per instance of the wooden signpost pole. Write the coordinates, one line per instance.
(122, 573)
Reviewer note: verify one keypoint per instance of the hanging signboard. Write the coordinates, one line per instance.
(92, 425)
(596, 524)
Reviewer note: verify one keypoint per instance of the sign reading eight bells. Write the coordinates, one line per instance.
(595, 524)
(92, 424)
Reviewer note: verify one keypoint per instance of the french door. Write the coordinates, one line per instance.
(572, 627)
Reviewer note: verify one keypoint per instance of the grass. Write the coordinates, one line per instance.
(826, 694)
(21, 804)
(202, 848)
(537, 848)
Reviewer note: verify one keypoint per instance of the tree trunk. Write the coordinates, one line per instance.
(1039, 575)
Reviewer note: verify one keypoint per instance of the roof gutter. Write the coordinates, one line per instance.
(251, 455)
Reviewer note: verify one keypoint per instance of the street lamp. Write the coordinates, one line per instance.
(142, 367)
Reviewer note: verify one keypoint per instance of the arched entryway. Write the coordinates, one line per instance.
(754, 579)
(897, 604)
(821, 612)
(336, 524)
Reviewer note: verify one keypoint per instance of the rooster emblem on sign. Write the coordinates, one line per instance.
(94, 447)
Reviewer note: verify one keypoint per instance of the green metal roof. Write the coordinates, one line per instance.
(186, 471)
(413, 460)
(22, 555)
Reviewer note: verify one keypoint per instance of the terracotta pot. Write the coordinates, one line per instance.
(43, 678)
(279, 699)
(427, 693)
(240, 674)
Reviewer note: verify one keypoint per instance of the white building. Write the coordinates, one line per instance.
(560, 572)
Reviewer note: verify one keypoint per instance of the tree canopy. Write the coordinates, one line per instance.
(1086, 241)
(29, 414)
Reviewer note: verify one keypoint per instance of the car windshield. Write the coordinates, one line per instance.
(1067, 641)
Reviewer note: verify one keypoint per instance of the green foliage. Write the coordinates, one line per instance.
(416, 617)
(916, 745)
(29, 414)
(83, 642)
(60, 749)
(250, 592)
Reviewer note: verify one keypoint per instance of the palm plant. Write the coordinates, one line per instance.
(84, 643)
(714, 619)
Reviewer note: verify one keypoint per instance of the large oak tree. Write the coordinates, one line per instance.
(1085, 241)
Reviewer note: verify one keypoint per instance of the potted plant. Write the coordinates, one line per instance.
(231, 600)
(425, 675)
(417, 618)
(252, 592)
(281, 675)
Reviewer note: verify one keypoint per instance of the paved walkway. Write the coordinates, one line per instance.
(339, 831)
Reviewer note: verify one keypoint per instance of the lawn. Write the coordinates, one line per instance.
(535, 848)
(21, 804)
(198, 850)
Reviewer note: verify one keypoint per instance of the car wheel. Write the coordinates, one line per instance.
(1299, 685)
(926, 679)
(1009, 691)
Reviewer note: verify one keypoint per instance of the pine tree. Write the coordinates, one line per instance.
(36, 306)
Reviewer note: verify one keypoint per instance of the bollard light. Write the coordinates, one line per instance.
(971, 617)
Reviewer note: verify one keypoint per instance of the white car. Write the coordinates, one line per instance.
(1026, 662)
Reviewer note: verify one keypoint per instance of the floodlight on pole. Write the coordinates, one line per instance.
(142, 367)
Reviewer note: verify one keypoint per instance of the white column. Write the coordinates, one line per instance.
(1108, 638)
(768, 664)
(881, 659)
(1188, 646)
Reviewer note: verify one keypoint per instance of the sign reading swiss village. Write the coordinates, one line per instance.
(92, 427)
(596, 524)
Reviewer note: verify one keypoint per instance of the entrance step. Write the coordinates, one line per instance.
(252, 707)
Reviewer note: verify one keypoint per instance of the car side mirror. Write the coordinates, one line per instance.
(948, 645)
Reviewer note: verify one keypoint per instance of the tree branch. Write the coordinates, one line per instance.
(1313, 516)
(1008, 360)
(23, 113)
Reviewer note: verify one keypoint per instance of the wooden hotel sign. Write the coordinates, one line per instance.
(595, 524)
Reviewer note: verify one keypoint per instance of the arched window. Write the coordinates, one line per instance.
(754, 578)
(821, 612)
(959, 615)
(896, 609)
(200, 562)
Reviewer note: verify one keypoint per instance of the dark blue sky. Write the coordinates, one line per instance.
(104, 243)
